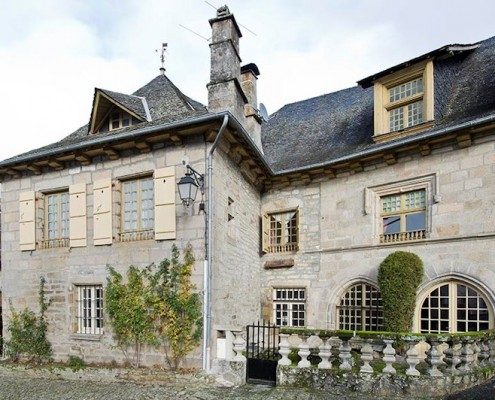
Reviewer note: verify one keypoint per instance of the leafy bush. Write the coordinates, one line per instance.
(76, 363)
(27, 331)
(399, 276)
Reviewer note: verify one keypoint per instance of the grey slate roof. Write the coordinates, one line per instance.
(329, 127)
(166, 104)
(337, 124)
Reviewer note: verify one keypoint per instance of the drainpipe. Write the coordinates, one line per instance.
(208, 261)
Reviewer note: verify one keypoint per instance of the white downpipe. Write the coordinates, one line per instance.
(208, 262)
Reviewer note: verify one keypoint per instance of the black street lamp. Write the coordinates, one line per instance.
(188, 186)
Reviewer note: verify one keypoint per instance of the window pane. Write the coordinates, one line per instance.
(289, 307)
(391, 225)
(396, 119)
(415, 113)
(415, 200)
(361, 308)
(390, 203)
(406, 89)
(415, 222)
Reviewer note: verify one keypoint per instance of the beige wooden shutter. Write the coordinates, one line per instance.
(164, 182)
(77, 212)
(27, 226)
(265, 233)
(102, 212)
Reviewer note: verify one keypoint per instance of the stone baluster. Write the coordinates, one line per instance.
(345, 355)
(367, 356)
(304, 353)
(467, 356)
(284, 349)
(434, 358)
(485, 352)
(389, 357)
(325, 353)
(476, 352)
(239, 345)
(491, 345)
(452, 358)
(412, 357)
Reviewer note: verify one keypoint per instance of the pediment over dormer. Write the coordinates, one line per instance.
(112, 111)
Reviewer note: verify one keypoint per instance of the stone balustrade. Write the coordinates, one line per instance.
(444, 355)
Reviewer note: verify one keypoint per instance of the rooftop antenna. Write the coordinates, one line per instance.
(162, 57)
(196, 33)
(244, 26)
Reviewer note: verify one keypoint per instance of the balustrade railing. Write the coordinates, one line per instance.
(402, 236)
(388, 353)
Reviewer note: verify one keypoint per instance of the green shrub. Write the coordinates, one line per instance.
(399, 276)
(27, 331)
(76, 363)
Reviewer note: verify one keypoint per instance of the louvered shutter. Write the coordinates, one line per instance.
(27, 226)
(164, 182)
(77, 212)
(102, 212)
(265, 232)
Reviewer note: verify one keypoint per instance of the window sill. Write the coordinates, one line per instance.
(386, 136)
(86, 336)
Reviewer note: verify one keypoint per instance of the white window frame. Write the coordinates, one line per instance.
(284, 245)
(60, 239)
(452, 307)
(89, 309)
(139, 233)
(285, 300)
(365, 312)
(120, 120)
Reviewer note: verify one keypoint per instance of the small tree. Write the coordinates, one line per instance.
(130, 310)
(27, 331)
(399, 276)
(178, 307)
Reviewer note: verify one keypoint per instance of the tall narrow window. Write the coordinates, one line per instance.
(56, 232)
(138, 212)
(403, 216)
(283, 232)
(90, 309)
(454, 307)
(361, 309)
(289, 306)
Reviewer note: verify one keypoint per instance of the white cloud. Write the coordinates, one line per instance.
(53, 53)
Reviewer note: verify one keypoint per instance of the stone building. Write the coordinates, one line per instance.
(301, 207)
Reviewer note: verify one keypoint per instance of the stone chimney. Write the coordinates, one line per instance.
(227, 90)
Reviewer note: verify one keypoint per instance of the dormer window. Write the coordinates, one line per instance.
(119, 119)
(404, 102)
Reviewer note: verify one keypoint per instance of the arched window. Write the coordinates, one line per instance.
(361, 308)
(454, 307)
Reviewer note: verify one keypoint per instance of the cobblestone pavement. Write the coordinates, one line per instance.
(16, 387)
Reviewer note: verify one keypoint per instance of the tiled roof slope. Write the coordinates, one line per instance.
(166, 104)
(337, 124)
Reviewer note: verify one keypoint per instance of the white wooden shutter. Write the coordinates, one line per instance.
(27, 226)
(102, 212)
(77, 213)
(265, 233)
(164, 182)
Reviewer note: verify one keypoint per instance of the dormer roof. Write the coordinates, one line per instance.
(105, 100)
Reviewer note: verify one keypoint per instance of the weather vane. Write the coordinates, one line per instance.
(162, 57)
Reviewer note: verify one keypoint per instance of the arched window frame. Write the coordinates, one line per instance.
(452, 281)
(339, 307)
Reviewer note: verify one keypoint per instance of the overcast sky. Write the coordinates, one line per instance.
(53, 53)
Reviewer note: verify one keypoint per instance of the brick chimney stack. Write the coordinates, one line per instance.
(227, 90)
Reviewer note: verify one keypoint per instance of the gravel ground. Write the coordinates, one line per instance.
(17, 387)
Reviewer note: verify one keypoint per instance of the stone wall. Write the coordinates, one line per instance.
(339, 228)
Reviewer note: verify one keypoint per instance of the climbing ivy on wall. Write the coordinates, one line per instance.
(155, 306)
(399, 276)
(27, 331)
